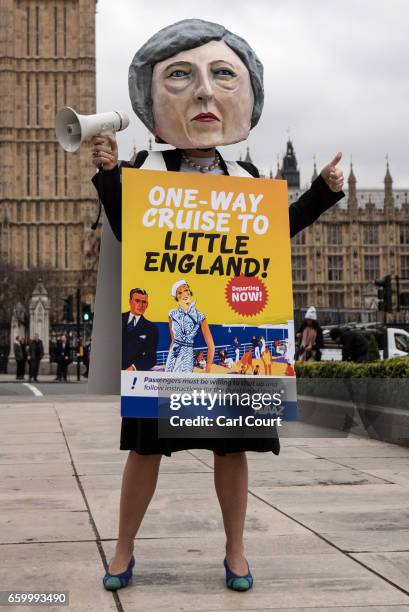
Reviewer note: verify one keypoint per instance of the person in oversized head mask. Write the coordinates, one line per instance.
(196, 86)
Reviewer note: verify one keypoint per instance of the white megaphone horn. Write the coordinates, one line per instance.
(73, 129)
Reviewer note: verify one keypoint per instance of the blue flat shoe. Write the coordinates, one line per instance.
(112, 582)
(238, 583)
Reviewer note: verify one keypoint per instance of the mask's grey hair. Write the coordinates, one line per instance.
(181, 36)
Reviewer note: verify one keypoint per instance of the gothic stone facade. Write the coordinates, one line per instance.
(363, 237)
(47, 203)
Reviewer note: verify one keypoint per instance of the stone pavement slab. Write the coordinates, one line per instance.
(383, 608)
(281, 579)
(392, 565)
(395, 476)
(70, 566)
(366, 497)
(326, 528)
(391, 450)
(317, 473)
(15, 471)
(182, 513)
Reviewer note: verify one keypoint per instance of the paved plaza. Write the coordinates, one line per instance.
(327, 526)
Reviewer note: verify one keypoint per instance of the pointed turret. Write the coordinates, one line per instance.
(352, 199)
(388, 180)
(248, 156)
(314, 174)
(352, 182)
(388, 201)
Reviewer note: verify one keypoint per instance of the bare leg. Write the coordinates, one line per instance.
(138, 486)
(231, 482)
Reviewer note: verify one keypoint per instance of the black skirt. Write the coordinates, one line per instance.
(141, 435)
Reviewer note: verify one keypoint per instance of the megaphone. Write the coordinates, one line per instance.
(73, 129)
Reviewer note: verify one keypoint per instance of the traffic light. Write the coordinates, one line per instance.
(68, 306)
(384, 293)
(86, 312)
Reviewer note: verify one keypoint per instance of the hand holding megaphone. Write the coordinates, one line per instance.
(104, 152)
(73, 129)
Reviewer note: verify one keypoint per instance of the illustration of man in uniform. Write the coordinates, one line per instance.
(184, 325)
(256, 347)
(236, 348)
(139, 336)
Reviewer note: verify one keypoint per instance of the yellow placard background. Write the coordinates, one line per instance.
(208, 290)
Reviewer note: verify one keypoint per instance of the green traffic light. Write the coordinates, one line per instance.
(86, 316)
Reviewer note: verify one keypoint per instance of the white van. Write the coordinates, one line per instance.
(392, 342)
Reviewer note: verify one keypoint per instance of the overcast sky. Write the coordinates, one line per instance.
(336, 76)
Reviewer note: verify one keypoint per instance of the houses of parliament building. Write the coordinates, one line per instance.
(363, 237)
(47, 202)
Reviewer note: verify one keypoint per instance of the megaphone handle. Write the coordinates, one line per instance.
(107, 133)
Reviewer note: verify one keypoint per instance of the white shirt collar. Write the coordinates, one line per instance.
(133, 317)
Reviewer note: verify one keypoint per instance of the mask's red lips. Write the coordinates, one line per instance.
(206, 117)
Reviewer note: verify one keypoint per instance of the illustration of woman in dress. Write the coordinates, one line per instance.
(184, 324)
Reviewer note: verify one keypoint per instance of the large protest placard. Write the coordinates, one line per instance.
(206, 287)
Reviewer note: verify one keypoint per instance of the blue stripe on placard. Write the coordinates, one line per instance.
(142, 407)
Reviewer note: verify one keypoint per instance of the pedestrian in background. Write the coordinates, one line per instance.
(19, 357)
(35, 355)
(354, 344)
(86, 356)
(24, 346)
(310, 337)
(62, 358)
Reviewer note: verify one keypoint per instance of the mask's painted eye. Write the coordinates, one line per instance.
(178, 74)
(225, 72)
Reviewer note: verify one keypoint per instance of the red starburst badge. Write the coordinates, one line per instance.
(246, 295)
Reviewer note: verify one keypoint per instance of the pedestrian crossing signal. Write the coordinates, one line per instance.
(86, 313)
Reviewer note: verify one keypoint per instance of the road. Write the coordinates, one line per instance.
(11, 389)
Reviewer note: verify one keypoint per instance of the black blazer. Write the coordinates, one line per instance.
(139, 344)
(311, 204)
(62, 353)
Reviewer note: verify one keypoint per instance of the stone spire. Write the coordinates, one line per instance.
(351, 182)
(352, 199)
(248, 156)
(388, 180)
(388, 201)
(314, 174)
(271, 173)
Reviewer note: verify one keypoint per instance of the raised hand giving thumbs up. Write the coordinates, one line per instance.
(332, 175)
